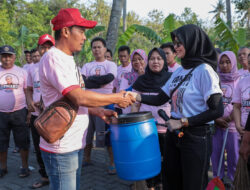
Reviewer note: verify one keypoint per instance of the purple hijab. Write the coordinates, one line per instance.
(233, 75)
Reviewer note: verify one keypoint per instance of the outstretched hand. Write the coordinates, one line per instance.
(126, 99)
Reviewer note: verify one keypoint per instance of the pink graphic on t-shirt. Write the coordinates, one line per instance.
(246, 99)
(9, 82)
(99, 69)
(174, 101)
(227, 94)
(13, 81)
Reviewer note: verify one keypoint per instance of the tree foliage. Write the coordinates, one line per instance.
(22, 21)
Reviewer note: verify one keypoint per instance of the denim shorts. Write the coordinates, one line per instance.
(64, 170)
(15, 122)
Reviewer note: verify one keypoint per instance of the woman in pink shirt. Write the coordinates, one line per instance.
(139, 62)
(229, 76)
(156, 75)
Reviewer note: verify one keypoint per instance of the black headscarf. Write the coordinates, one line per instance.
(151, 81)
(199, 48)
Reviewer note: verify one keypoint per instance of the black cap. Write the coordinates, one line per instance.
(26, 51)
(7, 50)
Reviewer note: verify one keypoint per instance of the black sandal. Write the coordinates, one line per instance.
(24, 172)
(3, 172)
(40, 184)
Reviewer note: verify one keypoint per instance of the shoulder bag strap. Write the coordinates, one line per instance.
(181, 82)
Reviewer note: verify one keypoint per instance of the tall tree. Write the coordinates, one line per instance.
(243, 10)
(219, 9)
(155, 20)
(124, 12)
(229, 18)
(114, 24)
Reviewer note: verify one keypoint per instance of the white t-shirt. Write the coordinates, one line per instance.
(34, 81)
(98, 69)
(59, 75)
(13, 81)
(121, 83)
(190, 98)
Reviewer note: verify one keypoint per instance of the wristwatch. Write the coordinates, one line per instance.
(184, 122)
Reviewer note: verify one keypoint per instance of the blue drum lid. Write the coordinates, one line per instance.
(134, 117)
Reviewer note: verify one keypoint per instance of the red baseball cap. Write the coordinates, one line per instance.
(70, 17)
(46, 38)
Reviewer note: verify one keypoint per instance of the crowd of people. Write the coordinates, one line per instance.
(204, 96)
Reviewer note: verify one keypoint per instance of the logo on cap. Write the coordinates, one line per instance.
(47, 37)
(6, 49)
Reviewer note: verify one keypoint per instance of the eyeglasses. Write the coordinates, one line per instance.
(177, 43)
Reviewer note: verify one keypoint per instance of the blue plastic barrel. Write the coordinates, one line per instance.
(135, 146)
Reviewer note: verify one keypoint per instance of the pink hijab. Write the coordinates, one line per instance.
(133, 75)
(233, 75)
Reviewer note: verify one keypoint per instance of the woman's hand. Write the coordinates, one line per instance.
(221, 122)
(137, 96)
(174, 124)
(127, 99)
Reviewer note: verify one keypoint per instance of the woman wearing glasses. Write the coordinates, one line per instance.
(196, 100)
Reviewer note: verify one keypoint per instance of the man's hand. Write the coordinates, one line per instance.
(174, 124)
(37, 104)
(106, 115)
(245, 146)
(126, 100)
(221, 122)
(240, 129)
(31, 106)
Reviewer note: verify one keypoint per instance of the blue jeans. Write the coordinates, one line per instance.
(64, 170)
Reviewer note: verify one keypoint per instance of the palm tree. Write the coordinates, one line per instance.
(114, 23)
(124, 12)
(228, 7)
(219, 9)
(243, 10)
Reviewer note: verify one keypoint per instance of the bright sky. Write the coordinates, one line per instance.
(200, 7)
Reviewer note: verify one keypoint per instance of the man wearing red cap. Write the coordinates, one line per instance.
(45, 42)
(59, 76)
